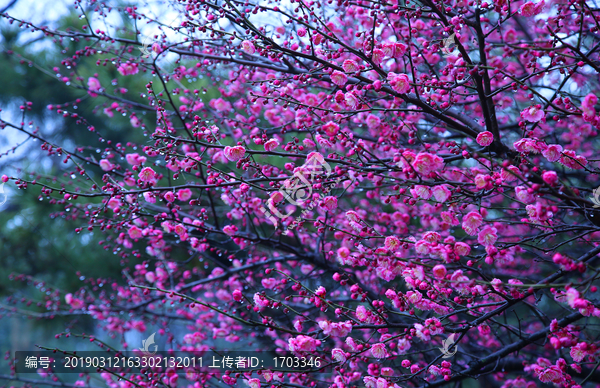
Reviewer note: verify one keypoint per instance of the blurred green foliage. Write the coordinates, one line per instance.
(31, 242)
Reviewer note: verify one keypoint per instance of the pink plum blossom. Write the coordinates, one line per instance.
(553, 152)
(336, 329)
(234, 153)
(254, 383)
(271, 145)
(331, 128)
(303, 343)
(533, 114)
(550, 177)
(439, 271)
(471, 223)
(135, 232)
(74, 302)
(441, 193)
(531, 9)
(128, 68)
(379, 351)
(400, 83)
(184, 194)
(426, 163)
(392, 243)
(484, 139)
(248, 47)
(339, 78)
(93, 86)
(350, 66)
(329, 203)
(169, 196)
(147, 174)
(230, 230)
(106, 165)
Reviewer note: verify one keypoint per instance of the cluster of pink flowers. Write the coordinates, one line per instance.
(333, 180)
(128, 68)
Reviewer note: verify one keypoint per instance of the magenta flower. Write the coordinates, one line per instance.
(339, 78)
(230, 230)
(439, 271)
(93, 86)
(331, 128)
(550, 177)
(533, 114)
(184, 194)
(248, 47)
(350, 66)
(378, 56)
(74, 302)
(135, 159)
(106, 165)
(362, 313)
(351, 100)
(260, 301)
(485, 138)
(471, 222)
(426, 163)
(588, 104)
(149, 197)
(271, 145)
(552, 374)
(400, 83)
(169, 196)
(147, 174)
(579, 351)
(329, 203)
(441, 193)
(269, 283)
(237, 295)
(421, 192)
(336, 329)
(303, 343)
(234, 153)
(128, 68)
(462, 249)
(553, 152)
(150, 277)
(254, 383)
(571, 160)
(220, 105)
(392, 243)
(373, 121)
(135, 232)
(135, 122)
(487, 236)
(379, 351)
(338, 355)
(531, 9)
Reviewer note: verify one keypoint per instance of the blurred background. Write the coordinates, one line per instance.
(37, 239)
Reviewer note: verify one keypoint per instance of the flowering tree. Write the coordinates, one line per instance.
(370, 179)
